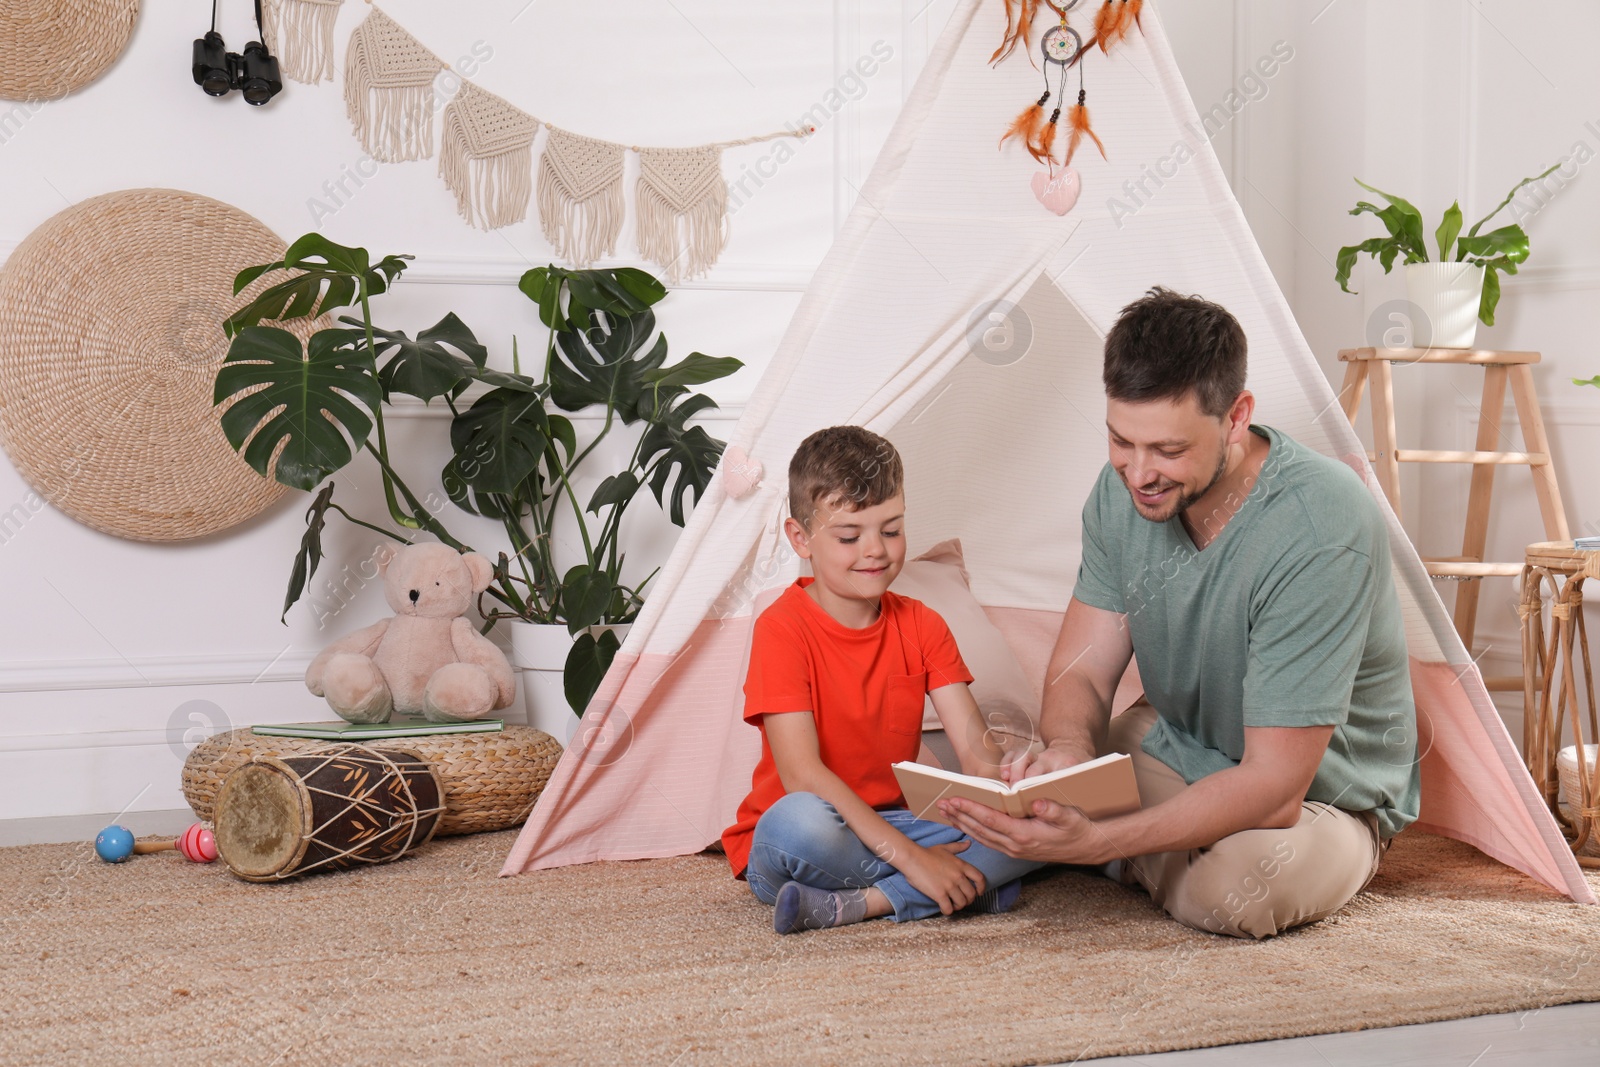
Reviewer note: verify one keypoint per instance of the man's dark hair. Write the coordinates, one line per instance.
(1164, 344)
(842, 467)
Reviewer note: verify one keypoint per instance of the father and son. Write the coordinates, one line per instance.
(1274, 747)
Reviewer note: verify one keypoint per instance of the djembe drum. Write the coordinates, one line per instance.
(340, 806)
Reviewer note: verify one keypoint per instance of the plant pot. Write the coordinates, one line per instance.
(1446, 298)
(540, 650)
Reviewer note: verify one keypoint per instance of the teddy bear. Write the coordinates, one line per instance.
(428, 658)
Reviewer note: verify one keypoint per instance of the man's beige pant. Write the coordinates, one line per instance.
(1255, 883)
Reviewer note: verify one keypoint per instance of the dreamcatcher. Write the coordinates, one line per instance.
(1062, 48)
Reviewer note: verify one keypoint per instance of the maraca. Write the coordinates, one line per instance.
(115, 844)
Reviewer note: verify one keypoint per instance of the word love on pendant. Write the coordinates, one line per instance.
(1057, 191)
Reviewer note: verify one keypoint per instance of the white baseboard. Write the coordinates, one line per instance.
(123, 749)
(74, 828)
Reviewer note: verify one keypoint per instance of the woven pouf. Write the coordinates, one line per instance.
(110, 338)
(49, 48)
(490, 779)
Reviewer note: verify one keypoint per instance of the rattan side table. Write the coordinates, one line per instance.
(1551, 680)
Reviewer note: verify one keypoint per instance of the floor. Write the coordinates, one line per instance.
(1564, 1036)
(1552, 1037)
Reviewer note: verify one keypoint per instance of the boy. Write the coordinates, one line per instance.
(838, 670)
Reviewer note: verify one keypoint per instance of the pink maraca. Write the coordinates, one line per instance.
(197, 844)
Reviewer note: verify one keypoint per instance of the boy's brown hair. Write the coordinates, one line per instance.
(842, 467)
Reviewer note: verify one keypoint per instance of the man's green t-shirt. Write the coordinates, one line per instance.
(1287, 618)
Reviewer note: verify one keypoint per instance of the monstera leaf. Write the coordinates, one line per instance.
(586, 667)
(696, 368)
(585, 594)
(307, 400)
(309, 557)
(443, 360)
(330, 276)
(602, 364)
(669, 444)
(621, 292)
(499, 441)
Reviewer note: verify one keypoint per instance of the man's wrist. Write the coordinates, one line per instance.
(1077, 751)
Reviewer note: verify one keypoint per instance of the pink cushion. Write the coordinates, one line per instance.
(938, 578)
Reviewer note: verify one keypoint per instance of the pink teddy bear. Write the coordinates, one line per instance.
(428, 658)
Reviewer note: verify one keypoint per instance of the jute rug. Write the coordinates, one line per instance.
(435, 960)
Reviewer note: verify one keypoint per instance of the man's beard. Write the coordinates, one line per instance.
(1185, 500)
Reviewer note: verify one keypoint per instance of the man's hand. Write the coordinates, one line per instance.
(1030, 762)
(939, 874)
(1056, 833)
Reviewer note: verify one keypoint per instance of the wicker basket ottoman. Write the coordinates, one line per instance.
(490, 780)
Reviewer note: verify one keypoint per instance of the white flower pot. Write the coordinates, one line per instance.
(1446, 297)
(540, 650)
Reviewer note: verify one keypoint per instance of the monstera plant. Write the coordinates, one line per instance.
(300, 412)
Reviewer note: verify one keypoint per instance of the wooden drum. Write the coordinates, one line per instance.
(339, 806)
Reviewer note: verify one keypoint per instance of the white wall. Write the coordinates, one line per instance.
(105, 666)
(117, 655)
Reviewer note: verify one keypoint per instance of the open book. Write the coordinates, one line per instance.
(1098, 788)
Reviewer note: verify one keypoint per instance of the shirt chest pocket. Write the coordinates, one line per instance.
(903, 702)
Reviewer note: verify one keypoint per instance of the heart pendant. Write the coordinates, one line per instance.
(1058, 191)
(740, 473)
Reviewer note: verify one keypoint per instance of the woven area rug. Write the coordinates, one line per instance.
(433, 959)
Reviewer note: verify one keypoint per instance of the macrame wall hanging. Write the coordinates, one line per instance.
(484, 157)
(1062, 48)
(388, 90)
(300, 34)
(486, 150)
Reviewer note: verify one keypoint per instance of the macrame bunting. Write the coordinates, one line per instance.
(388, 90)
(683, 209)
(486, 157)
(300, 34)
(486, 153)
(580, 196)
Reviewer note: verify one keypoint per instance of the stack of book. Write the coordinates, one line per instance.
(1586, 544)
(358, 732)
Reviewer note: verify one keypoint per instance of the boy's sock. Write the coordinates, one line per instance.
(802, 907)
(998, 899)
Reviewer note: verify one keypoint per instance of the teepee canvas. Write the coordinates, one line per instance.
(1000, 453)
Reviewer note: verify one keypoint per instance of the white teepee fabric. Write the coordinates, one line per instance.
(1001, 456)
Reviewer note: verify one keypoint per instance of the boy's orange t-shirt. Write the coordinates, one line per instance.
(864, 688)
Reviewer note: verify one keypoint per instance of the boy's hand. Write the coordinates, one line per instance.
(1031, 762)
(942, 876)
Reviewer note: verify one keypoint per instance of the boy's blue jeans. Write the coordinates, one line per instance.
(802, 838)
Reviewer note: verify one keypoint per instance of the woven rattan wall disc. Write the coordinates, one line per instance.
(49, 48)
(110, 338)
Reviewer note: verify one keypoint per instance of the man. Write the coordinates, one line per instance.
(1275, 749)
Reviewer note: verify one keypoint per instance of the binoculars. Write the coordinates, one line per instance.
(219, 71)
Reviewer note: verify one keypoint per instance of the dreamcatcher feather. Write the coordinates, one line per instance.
(1078, 119)
(1019, 26)
(1062, 48)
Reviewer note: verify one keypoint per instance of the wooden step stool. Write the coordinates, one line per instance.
(1469, 567)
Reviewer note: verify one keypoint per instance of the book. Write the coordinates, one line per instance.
(1586, 544)
(357, 732)
(1098, 788)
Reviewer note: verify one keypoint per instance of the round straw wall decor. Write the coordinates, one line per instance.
(110, 337)
(49, 48)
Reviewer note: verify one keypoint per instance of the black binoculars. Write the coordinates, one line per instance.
(219, 71)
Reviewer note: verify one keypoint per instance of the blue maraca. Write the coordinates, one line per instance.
(114, 844)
